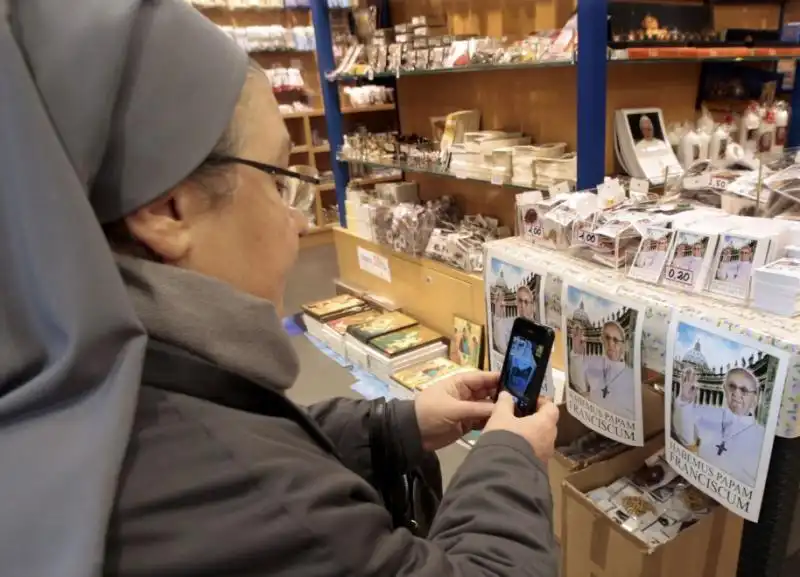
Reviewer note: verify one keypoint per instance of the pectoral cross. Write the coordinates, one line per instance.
(605, 391)
(721, 448)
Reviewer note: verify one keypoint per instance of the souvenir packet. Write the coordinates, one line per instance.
(590, 448)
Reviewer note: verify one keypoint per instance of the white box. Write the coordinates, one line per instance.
(314, 327)
(384, 367)
(333, 339)
(355, 351)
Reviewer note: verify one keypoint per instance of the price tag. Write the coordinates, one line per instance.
(719, 183)
(639, 186)
(680, 276)
(536, 231)
(590, 238)
(578, 234)
(558, 188)
(497, 179)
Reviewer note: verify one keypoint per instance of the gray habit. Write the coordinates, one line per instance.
(114, 101)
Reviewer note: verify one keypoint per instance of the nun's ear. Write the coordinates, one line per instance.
(162, 228)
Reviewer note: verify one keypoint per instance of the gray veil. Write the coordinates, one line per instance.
(104, 106)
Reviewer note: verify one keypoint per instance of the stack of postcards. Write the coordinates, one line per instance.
(317, 315)
(776, 287)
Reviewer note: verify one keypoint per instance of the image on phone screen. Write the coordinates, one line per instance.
(522, 366)
(525, 364)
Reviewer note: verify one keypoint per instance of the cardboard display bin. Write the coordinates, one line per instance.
(560, 467)
(595, 546)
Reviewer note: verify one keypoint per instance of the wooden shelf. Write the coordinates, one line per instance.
(363, 181)
(321, 148)
(299, 150)
(317, 112)
(321, 229)
(371, 108)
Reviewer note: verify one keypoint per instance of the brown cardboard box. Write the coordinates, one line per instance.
(594, 546)
(559, 467)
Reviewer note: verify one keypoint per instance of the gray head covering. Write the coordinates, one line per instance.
(118, 100)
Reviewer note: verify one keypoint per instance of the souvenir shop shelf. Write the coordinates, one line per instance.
(420, 168)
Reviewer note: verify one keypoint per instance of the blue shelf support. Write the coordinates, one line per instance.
(793, 138)
(591, 91)
(320, 16)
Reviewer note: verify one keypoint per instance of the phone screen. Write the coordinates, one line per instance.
(525, 365)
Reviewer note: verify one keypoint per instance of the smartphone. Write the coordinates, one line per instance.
(525, 364)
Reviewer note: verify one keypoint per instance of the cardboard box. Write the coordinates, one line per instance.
(594, 545)
(559, 467)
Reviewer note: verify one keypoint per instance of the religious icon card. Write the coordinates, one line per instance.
(737, 257)
(723, 398)
(603, 341)
(466, 345)
(689, 260)
(648, 264)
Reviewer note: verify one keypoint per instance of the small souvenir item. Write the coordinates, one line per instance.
(340, 325)
(781, 126)
(652, 254)
(405, 340)
(420, 376)
(748, 133)
(738, 255)
(466, 346)
(381, 325)
(689, 260)
(331, 308)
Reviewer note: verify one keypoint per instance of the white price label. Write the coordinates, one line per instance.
(719, 183)
(591, 239)
(558, 188)
(680, 275)
(639, 186)
(697, 182)
(536, 231)
(497, 179)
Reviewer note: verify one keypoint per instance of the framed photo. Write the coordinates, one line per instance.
(736, 259)
(646, 128)
(603, 363)
(723, 397)
(405, 340)
(466, 346)
(381, 325)
(651, 257)
(689, 260)
(419, 376)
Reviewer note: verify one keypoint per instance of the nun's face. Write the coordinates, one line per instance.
(250, 238)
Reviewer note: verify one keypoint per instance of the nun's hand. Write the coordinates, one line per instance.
(449, 409)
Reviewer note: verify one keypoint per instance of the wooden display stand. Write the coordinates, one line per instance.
(428, 290)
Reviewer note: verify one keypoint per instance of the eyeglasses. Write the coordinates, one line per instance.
(744, 391)
(265, 168)
(613, 340)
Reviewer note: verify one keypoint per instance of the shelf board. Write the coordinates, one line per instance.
(363, 181)
(321, 148)
(266, 9)
(299, 150)
(320, 229)
(280, 51)
(371, 108)
(348, 110)
(562, 63)
(424, 169)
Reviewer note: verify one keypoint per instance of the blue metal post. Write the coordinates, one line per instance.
(793, 138)
(591, 91)
(320, 16)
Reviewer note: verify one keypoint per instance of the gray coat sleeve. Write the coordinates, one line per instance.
(345, 422)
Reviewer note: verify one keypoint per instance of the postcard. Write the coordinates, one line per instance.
(423, 374)
(381, 325)
(466, 346)
(405, 340)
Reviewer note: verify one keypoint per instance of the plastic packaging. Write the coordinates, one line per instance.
(689, 151)
(748, 133)
(781, 126)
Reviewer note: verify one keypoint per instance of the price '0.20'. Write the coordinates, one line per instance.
(678, 275)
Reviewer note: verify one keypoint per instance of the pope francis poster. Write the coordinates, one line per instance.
(603, 364)
(511, 292)
(722, 404)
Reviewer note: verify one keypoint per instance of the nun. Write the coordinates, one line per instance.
(146, 427)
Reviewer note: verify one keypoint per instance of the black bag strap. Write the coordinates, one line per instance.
(173, 369)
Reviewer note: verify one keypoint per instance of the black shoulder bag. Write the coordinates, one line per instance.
(412, 498)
